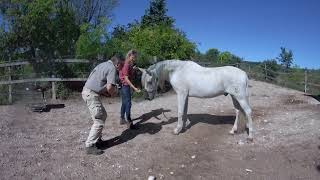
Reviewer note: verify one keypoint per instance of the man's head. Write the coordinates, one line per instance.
(117, 61)
(131, 55)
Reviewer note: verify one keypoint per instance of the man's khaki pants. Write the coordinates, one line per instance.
(98, 115)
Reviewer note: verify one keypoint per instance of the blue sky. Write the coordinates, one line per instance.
(252, 29)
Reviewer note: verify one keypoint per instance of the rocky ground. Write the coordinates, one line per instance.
(50, 145)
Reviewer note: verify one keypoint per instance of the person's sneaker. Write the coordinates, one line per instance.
(122, 121)
(93, 150)
(130, 125)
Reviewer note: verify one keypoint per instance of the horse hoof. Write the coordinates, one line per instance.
(231, 132)
(250, 139)
(187, 123)
(176, 132)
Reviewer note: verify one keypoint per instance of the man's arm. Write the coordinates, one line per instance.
(112, 89)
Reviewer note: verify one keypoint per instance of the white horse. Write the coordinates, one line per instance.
(189, 79)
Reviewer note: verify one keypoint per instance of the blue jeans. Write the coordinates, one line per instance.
(126, 102)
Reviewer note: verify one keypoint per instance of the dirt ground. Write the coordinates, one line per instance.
(50, 145)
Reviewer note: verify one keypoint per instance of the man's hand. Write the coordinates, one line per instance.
(112, 90)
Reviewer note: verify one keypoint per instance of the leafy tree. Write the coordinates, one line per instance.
(212, 55)
(285, 58)
(90, 42)
(198, 56)
(40, 28)
(270, 68)
(91, 11)
(161, 41)
(156, 15)
(224, 57)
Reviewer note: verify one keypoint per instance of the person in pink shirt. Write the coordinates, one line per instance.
(126, 76)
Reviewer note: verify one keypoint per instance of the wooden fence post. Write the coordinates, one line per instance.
(54, 93)
(155, 59)
(10, 86)
(265, 70)
(305, 80)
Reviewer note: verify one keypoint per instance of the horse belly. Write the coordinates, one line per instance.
(205, 91)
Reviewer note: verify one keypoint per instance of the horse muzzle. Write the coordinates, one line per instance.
(149, 95)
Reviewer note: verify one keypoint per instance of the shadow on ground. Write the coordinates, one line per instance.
(316, 97)
(143, 127)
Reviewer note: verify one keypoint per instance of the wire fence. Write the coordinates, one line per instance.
(16, 83)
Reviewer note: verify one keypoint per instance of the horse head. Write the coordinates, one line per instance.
(149, 82)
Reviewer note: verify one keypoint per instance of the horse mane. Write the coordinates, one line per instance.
(165, 67)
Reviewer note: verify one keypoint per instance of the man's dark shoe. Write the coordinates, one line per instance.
(93, 150)
(122, 121)
(99, 143)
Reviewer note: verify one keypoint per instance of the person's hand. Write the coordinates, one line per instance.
(137, 90)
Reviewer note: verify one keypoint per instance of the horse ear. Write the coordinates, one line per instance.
(148, 72)
(142, 70)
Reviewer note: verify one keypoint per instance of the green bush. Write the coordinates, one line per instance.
(63, 92)
(4, 95)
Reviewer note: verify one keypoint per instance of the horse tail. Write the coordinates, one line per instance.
(247, 86)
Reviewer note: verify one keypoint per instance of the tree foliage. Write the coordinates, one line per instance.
(90, 42)
(270, 68)
(91, 11)
(155, 15)
(285, 58)
(212, 55)
(154, 36)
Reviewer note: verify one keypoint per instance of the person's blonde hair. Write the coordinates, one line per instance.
(131, 52)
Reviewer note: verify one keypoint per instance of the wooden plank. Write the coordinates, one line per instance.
(14, 64)
(72, 60)
(312, 84)
(41, 80)
(19, 63)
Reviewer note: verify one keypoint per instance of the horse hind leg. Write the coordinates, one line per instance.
(186, 121)
(237, 109)
(244, 103)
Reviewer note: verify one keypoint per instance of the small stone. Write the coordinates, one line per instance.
(240, 142)
(136, 169)
(151, 178)
(171, 173)
(265, 121)
(183, 166)
(248, 170)
(194, 156)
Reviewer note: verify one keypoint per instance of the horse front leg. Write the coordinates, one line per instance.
(182, 97)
